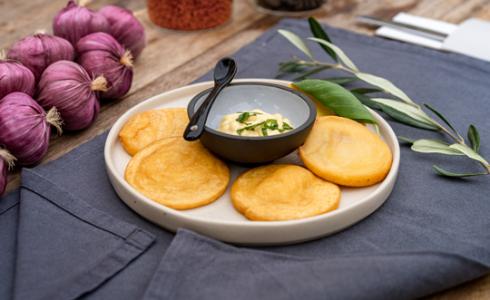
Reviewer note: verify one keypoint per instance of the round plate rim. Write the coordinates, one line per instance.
(110, 168)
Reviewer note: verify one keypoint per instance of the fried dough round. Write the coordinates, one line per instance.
(283, 192)
(150, 126)
(178, 174)
(345, 152)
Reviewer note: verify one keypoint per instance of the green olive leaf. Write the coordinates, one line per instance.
(474, 138)
(403, 139)
(434, 146)
(318, 32)
(366, 101)
(310, 72)
(341, 80)
(393, 113)
(405, 119)
(296, 41)
(339, 52)
(442, 172)
(469, 152)
(385, 85)
(407, 110)
(365, 91)
(442, 117)
(337, 98)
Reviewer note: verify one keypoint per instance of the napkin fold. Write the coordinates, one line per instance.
(62, 235)
(226, 272)
(68, 235)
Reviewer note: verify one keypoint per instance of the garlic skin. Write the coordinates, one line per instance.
(74, 21)
(101, 55)
(14, 77)
(125, 28)
(38, 51)
(24, 128)
(68, 87)
(6, 161)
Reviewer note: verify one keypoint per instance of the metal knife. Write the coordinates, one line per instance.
(412, 29)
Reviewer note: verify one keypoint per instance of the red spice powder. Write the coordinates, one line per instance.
(189, 14)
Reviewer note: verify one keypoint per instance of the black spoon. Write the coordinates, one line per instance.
(224, 71)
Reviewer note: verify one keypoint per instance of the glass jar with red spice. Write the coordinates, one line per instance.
(189, 14)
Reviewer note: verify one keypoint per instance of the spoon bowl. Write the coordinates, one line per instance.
(224, 71)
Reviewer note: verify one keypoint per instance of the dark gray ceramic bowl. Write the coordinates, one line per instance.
(246, 96)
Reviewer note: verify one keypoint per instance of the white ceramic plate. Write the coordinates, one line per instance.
(219, 219)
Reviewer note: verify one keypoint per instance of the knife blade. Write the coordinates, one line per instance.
(412, 29)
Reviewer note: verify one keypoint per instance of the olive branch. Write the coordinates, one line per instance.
(400, 107)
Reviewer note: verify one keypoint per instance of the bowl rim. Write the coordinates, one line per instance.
(305, 125)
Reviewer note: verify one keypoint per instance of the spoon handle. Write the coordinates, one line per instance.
(196, 125)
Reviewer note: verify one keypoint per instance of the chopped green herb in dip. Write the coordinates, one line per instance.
(254, 123)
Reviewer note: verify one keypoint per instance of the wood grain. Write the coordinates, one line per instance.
(173, 59)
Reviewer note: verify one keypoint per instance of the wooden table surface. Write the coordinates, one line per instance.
(173, 59)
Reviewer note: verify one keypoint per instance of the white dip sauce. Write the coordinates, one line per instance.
(254, 123)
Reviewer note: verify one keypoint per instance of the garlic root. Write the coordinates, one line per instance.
(53, 118)
(7, 157)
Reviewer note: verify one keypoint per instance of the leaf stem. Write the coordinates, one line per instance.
(458, 139)
(316, 63)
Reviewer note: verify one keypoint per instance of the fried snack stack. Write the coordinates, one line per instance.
(185, 175)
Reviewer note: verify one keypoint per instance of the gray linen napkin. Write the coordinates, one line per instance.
(9, 210)
(431, 234)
